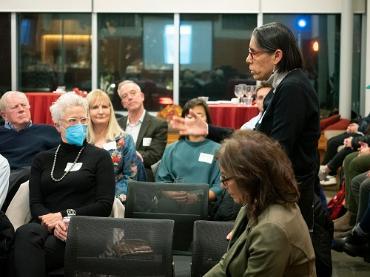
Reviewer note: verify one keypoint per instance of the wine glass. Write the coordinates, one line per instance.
(249, 92)
(239, 91)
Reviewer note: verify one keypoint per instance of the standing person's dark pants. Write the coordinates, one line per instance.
(37, 251)
(305, 203)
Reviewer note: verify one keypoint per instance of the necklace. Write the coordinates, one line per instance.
(69, 169)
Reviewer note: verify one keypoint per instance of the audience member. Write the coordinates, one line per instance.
(354, 164)
(261, 93)
(270, 237)
(334, 156)
(149, 133)
(20, 140)
(192, 158)
(355, 243)
(76, 178)
(104, 132)
(4, 179)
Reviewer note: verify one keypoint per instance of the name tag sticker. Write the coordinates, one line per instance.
(147, 141)
(110, 145)
(76, 167)
(205, 158)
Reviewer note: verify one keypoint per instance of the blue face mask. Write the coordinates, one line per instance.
(76, 134)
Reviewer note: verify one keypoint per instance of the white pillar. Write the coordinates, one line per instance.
(366, 57)
(345, 75)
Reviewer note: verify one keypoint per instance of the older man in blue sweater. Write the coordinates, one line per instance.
(20, 140)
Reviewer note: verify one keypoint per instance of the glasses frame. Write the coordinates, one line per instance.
(225, 179)
(74, 121)
(252, 53)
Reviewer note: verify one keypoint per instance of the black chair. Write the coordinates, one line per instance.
(209, 245)
(151, 200)
(119, 247)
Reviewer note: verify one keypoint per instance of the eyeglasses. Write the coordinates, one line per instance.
(253, 53)
(74, 121)
(131, 93)
(225, 179)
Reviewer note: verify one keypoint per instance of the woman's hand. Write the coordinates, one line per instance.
(50, 220)
(61, 230)
(191, 125)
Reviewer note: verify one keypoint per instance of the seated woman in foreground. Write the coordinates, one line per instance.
(270, 236)
(104, 132)
(192, 158)
(76, 178)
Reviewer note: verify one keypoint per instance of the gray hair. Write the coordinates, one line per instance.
(6, 95)
(126, 82)
(66, 100)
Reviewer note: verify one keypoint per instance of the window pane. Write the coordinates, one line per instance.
(213, 49)
(319, 39)
(54, 50)
(140, 48)
(5, 70)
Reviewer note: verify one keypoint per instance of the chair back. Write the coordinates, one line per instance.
(118, 247)
(153, 200)
(209, 245)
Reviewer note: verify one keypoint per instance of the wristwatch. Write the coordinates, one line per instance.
(71, 212)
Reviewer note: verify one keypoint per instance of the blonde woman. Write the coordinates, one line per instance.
(104, 132)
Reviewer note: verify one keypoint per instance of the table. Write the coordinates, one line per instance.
(40, 103)
(231, 115)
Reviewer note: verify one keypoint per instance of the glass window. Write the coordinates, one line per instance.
(5, 56)
(319, 39)
(213, 49)
(54, 50)
(140, 48)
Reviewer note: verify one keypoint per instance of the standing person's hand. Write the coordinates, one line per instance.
(50, 220)
(191, 125)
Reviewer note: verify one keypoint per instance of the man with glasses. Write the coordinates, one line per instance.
(20, 139)
(148, 132)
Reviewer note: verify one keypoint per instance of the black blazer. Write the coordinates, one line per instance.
(153, 128)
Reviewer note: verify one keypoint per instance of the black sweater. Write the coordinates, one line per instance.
(293, 119)
(89, 190)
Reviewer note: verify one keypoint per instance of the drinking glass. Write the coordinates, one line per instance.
(248, 94)
(239, 91)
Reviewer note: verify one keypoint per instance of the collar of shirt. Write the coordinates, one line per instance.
(137, 123)
(10, 126)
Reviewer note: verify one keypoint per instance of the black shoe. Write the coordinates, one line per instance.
(338, 244)
(356, 245)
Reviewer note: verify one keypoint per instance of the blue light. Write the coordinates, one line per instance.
(302, 23)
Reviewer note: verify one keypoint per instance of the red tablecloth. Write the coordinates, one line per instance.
(40, 103)
(231, 115)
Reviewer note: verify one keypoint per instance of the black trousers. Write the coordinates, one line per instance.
(306, 184)
(332, 146)
(36, 251)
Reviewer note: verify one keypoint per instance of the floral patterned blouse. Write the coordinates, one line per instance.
(127, 165)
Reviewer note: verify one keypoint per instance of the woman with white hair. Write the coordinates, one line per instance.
(76, 178)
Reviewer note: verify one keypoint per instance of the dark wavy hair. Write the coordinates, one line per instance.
(273, 36)
(196, 102)
(261, 169)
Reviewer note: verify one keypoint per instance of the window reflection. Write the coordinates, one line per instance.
(216, 50)
(322, 66)
(5, 70)
(54, 50)
(136, 47)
